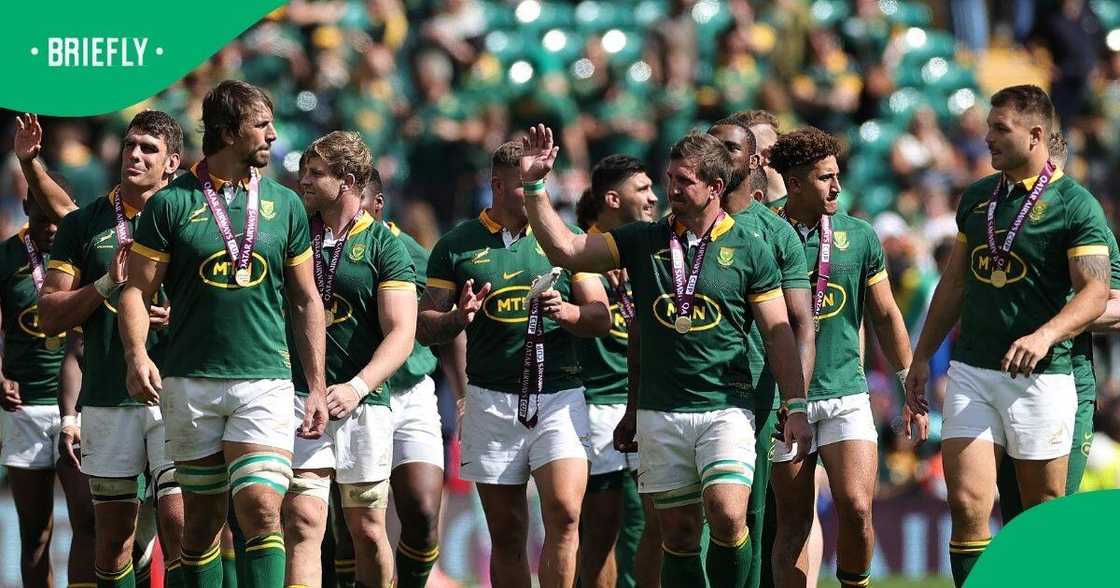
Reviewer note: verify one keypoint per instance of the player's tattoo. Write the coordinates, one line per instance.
(1093, 267)
(436, 324)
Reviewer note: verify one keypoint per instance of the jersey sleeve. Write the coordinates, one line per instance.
(395, 271)
(1086, 227)
(791, 259)
(299, 236)
(625, 242)
(154, 237)
(66, 252)
(765, 277)
(441, 271)
(875, 265)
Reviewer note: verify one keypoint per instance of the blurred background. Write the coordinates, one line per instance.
(435, 85)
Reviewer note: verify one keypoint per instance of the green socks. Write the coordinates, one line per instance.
(173, 575)
(853, 579)
(265, 560)
(125, 578)
(729, 564)
(681, 569)
(414, 565)
(963, 555)
(229, 569)
(202, 571)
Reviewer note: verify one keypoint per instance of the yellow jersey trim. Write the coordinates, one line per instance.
(1084, 250)
(581, 276)
(397, 285)
(445, 284)
(875, 279)
(129, 211)
(763, 297)
(63, 267)
(364, 222)
(299, 259)
(219, 183)
(720, 229)
(962, 238)
(150, 253)
(491, 225)
(613, 247)
(1028, 183)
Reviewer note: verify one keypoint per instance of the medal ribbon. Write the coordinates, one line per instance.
(325, 273)
(824, 264)
(1000, 255)
(532, 364)
(120, 225)
(685, 286)
(35, 259)
(242, 256)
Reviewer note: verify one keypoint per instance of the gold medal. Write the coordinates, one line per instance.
(999, 278)
(683, 324)
(53, 343)
(243, 277)
(329, 317)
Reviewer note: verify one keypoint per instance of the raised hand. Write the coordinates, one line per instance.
(470, 302)
(29, 137)
(539, 153)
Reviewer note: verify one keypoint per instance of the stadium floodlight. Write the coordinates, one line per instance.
(588, 11)
(528, 11)
(520, 72)
(583, 69)
(1113, 40)
(870, 131)
(704, 11)
(640, 72)
(961, 100)
(614, 41)
(555, 40)
(915, 37)
(934, 70)
(497, 41)
(888, 7)
(291, 162)
(307, 101)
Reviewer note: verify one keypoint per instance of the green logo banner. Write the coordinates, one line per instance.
(1066, 542)
(82, 58)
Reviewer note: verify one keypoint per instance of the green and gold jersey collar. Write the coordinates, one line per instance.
(495, 227)
(112, 196)
(220, 183)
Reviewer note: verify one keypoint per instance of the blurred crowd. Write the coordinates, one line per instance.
(434, 86)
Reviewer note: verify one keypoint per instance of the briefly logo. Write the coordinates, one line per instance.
(726, 256)
(218, 271)
(706, 312)
(357, 252)
(1038, 211)
(840, 238)
(507, 305)
(480, 257)
(268, 209)
(982, 266)
(512, 275)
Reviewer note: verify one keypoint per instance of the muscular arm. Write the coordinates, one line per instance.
(438, 323)
(1090, 276)
(1109, 321)
(144, 278)
(61, 306)
(396, 313)
(945, 307)
(590, 314)
(453, 362)
(633, 365)
(308, 323)
(889, 327)
(70, 376)
(799, 306)
(50, 196)
(577, 253)
(773, 324)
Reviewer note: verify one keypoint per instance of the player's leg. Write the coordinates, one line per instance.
(725, 456)
(417, 481)
(681, 526)
(365, 452)
(344, 565)
(766, 420)
(79, 507)
(144, 540)
(1007, 485)
(1041, 414)
(228, 557)
(631, 531)
(647, 561)
(558, 459)
(603, 501)
(28, 451)
(257, 445)
(168, 495)
(304, 513)
(507, 519)
(795, 495)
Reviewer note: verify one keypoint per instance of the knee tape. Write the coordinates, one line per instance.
(264, 468)
(166, 485)
(202, 479)
(365, 494)
(690, 494)
(314, 487)
(727, 471)
(113, 490)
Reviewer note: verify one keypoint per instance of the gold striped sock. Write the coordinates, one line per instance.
(425, 556)
(113, 576)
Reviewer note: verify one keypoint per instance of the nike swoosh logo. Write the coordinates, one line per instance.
(512, 276)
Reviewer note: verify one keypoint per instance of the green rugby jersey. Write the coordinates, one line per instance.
(223, 330)
(857, 264)
(84, 248)
(374, 261)
(421, 361)
(27, 360)
(1081, 354)
(603, 359)
(706, 368)
(1066, 222)
(496, 337)
(790, 256)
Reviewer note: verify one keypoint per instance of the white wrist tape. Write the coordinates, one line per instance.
(360, 386)
(105, 286)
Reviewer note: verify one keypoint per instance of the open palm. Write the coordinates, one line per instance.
(539, 153)
(29, 137)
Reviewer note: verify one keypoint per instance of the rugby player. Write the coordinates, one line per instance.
(693, 418)
(225, 384)
(621, 192)
(366, 280)
(1029, 235)
(525, 411)
(120, 438)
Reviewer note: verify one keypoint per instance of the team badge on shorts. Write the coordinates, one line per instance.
(726, 256)
(268, 209)
(357, 251)
(840, 238)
